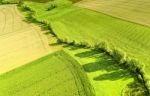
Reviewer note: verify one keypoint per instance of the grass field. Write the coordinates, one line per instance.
(20, 41)
(132, 10)
(105, 76)
(132, 39)
(56, 74)
(102, 72)
(110, 72)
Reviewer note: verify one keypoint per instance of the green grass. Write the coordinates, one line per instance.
(104, 74)
(56, 74)
(132, 10)
(58, 7)
(132, 39)
(71, 23)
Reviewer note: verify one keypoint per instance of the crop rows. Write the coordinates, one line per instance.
(135, 11)
(20, 41)
(47, 76)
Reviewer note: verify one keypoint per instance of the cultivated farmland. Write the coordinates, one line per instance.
(133, 10)
(50, 75)
(105, 53)
(20, 41)
(96, 28)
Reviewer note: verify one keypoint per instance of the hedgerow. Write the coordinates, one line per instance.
(118, 56)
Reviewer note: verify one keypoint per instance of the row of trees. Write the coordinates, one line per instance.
(118, 56)
(133, 65)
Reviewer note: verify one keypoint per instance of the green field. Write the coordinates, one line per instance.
(105, 76)
(132, 10)
(68, 24)
(51, 75)
(101, 53)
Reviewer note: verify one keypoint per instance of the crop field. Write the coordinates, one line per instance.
(133, 10)
(116, 34)
(130, 38)
(103, 48)
(50, 75)
(26, 41)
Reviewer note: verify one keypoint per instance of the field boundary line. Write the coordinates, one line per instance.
(144, 25)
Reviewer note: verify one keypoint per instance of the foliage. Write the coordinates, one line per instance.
(96, 28)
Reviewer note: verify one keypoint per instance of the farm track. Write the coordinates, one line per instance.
(20, 41)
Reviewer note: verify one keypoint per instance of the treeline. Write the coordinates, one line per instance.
(19, 1)
(133, 65)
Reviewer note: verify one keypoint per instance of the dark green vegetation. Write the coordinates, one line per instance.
(57, 74)
(104, 73)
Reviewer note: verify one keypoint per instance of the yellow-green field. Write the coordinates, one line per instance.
(57, 74)
(104, 74)
(132, 10)
(104, 48)
(96, 28)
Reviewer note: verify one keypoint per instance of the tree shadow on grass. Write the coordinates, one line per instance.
(71, 48)
(100, 65)
(90, 53)
(118, 74)
(103, 63)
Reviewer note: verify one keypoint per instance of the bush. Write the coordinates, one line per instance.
(101, 47)
(83, 44)
(52, 6)
(65, 40)
(59, 41)
(118, 56)
(72, 42)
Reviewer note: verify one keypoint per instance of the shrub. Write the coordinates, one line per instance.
(72, 42)
(52, 6)
(65, 40)
(83, 44)
(101, 47)
(118, 56)
(59, 41)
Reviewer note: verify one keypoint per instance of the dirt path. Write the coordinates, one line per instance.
(20, 42)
